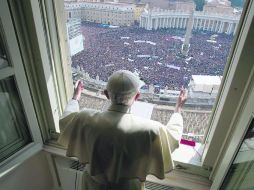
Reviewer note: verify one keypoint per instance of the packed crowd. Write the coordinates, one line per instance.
(154, 55)
(195, 122)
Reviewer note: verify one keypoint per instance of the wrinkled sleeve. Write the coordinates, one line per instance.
(71, 107)
(175, 130)
(170, 136)
(67, 121)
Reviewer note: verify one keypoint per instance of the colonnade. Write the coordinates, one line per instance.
(166, 22)
(214, 23)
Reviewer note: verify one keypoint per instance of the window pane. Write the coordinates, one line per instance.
(13, 131)
(3, 57)
(240, 174)
(167, 44)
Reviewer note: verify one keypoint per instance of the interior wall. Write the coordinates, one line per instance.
(33, 174)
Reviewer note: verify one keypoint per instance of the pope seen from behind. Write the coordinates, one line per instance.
(119, 148)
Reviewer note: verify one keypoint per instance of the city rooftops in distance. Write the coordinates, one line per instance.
(83, 3)
(113, 7)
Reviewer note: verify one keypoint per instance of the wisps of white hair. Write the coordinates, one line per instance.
(122, 99)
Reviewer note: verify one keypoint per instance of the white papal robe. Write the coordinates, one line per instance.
(121, 149)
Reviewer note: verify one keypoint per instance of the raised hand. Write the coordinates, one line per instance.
(79, 86)
(181, 100)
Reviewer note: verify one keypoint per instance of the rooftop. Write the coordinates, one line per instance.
(206, 79)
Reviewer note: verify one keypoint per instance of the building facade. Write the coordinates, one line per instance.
(138, 9)
(73, 28)
(214, 22)
(92, 1)
(119, 14)
(75, 37)
(219, 6)
(185, 6)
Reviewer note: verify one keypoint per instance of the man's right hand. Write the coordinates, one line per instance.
(181, 100)
(79, 86)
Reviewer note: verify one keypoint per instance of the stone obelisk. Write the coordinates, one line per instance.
(186, 43)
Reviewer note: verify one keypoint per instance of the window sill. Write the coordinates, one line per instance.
(188, 154)
(11, 163)
(188, 159)
(183, 177)
(182, 180)
(184, 154)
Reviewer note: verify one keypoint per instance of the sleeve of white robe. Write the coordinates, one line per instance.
(71, 107)
(66, 122)
(175, 130)
(170, 136)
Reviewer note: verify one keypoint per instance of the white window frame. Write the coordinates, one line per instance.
(233, 93)
(241, 127)
(233, 72)
(45, 62)
(16, 70)
(55, 58)
(245, 111)
(216, 137)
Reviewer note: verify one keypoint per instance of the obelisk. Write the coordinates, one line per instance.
(186, 43)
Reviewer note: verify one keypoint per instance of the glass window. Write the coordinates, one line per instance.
(240, 174)
(3, 56)
(14, 133)
(180, 44)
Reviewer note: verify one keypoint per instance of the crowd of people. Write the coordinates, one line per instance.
(154, 55)
(195, 123)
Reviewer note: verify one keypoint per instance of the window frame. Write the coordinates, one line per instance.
(23, 134)
(226, 112)
(42, 63)
(15, 69)
(245, 113)
(214, 139)
(55, 46)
